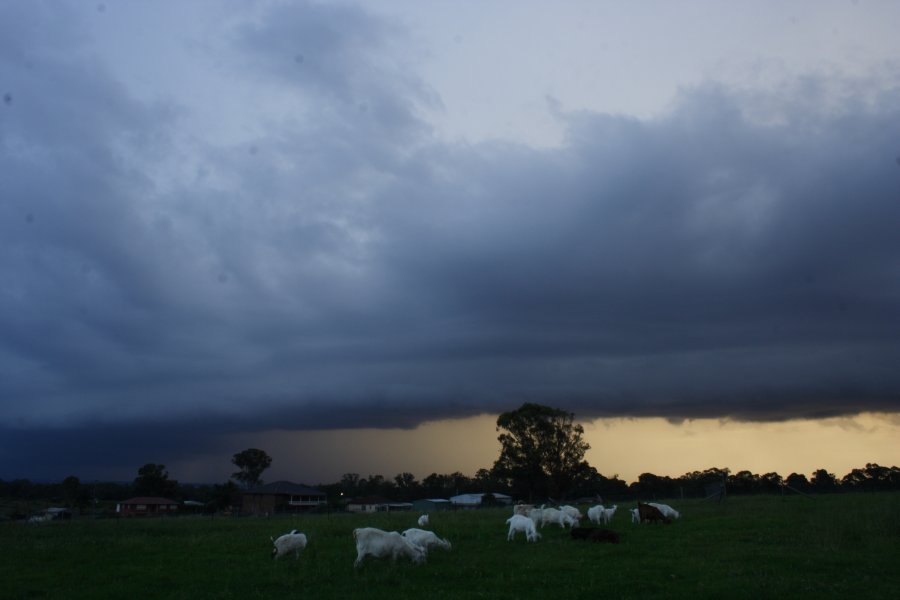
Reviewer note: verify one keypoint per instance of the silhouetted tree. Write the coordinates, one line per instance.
(798, 481)
(461, 484)
(883, 478)
(224, 496)
(823, 481)
(542, 451)
(649, 486)
(437, 486)
(770, 483)
(743, 482)
(486, 481)
(407, 487)
(349, 485)
(857, 479)
(73, 493)
(153, 480)
(251, 462)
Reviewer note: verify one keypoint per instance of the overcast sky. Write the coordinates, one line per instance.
(220, 218)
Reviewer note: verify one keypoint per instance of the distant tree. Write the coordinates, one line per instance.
(743, 482)
(486, 481)
(72, 492)
(461, 484)
(377, 485)
(251, 462)
(770, 482)
(224, 496)
(649, 486)
(153, 480)
(883, 478)
(407, 487)
(349, 485)
(542, 451)
(605, 487)
(437, 486)
(823, 481)
(857, 479)
(798, 481)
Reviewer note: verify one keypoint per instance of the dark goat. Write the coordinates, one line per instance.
(595, 534)
(651, 514)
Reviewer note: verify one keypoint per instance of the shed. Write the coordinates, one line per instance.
(369, 504)
(475, 500)
(281, 497)
(147, 506)
(427, 505)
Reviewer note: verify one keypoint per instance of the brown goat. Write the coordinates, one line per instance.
(651, 514)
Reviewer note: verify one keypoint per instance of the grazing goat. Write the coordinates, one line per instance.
(40, 518)
(382, 544)
(287, 543)
(423, 521)
(523, 509)
(426, 539)
(635, 515)
(571, 511)
(666, 510)
(594, 534)
(553, 515)
(649, 513)
(523, 524)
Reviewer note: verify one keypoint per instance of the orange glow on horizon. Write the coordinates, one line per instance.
(623, 447)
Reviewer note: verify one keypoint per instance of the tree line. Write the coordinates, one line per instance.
(541, 458)
(404, 487)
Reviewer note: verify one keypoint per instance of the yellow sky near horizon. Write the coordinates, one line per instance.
(620, 446)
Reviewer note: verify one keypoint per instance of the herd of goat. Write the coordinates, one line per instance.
(415, 543)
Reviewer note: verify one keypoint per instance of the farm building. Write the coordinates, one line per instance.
(280, 497)
(476, 500)
(376, 504)
(427, 505)
(144, 506)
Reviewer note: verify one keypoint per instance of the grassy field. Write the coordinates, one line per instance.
(754, 547)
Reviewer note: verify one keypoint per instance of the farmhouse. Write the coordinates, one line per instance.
(146, 506)
(280, 497)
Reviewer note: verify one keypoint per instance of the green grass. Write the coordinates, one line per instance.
(756, 547)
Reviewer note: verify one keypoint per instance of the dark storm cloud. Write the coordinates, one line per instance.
(735, 257)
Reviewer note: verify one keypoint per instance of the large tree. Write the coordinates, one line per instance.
(251, 462)
(542, 451)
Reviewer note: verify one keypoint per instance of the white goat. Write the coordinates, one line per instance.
(423, 521)
(382, 544)
(536, 515)
(595, 514)
(571, 511)
(666, 510)
(523, 509)
(40, 518)
(523, 524)
(635, 515)
(553, 515)
(607, 514)
(287, 543)
(426, 539)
